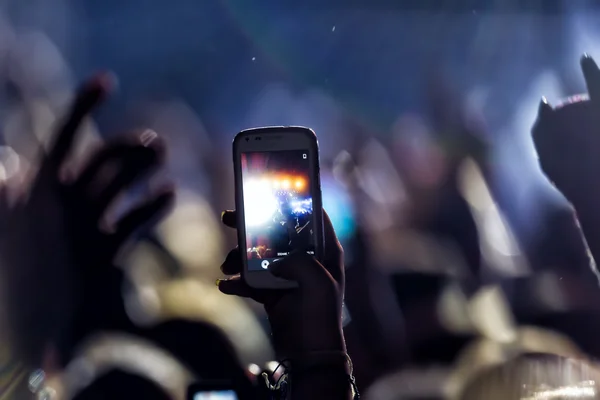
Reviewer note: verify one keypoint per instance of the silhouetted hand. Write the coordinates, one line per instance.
(57, 261)
(305, 319)
(567, 139)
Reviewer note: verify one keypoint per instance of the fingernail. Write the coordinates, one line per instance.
(107, 226)
(544, 108)
(147, 137)
(66, 176)
(166, 188)
(107, 81)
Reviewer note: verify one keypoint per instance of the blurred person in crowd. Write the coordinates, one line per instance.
(496, 339)
(535, 376)
(427, 248)
(118, 384)
(376, 328)
(174, 353)
(397, 275)
(76, 289)
(486, 354)
(205, 350)
(184, 288)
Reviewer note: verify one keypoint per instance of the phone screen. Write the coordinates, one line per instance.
(216, 395)
(278, 205)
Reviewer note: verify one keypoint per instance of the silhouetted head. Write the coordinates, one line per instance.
(204, 349)
(118, 384)
(535, 376)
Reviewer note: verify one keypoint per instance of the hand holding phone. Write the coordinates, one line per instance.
(278, 196)
(278, 199)
(303, 320)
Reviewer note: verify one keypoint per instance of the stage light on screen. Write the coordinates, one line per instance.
(278, 206)
(259, 202)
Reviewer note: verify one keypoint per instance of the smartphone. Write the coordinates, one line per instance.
(278, 199)
(211, 391)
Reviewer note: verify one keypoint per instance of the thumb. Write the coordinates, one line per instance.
(235, 286)
(302, 268)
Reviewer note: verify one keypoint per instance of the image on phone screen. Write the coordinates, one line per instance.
(216, 395)
(278, 205)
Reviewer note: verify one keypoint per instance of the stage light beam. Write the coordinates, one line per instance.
(259, 202)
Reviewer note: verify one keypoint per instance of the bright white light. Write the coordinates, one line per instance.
(259, 202)
(583, 390)
(301, 206)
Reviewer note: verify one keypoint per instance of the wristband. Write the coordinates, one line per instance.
(309, 362)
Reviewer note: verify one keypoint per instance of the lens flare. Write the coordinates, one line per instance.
(259, 202)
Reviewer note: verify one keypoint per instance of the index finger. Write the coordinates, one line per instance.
(591, 74)
(88, 97)
(229, 218)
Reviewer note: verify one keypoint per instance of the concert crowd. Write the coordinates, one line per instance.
(458, 259)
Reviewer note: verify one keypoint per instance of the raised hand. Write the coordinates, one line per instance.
(306, 319)
(57, 275)
(567, 139)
